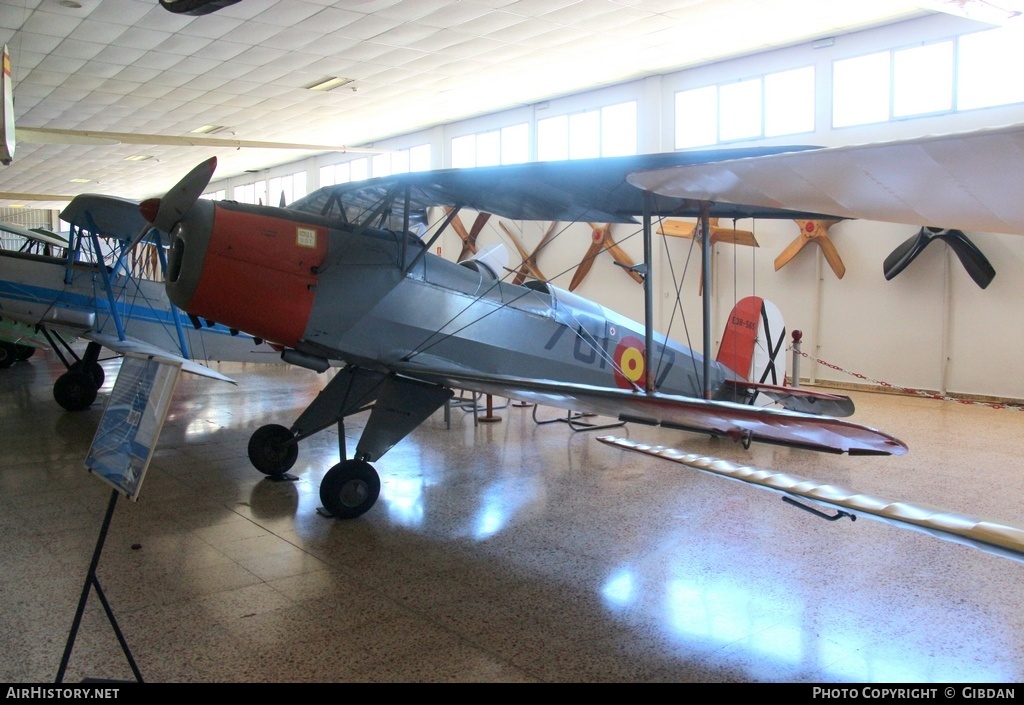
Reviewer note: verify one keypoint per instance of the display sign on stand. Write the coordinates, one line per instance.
(119, 455)
(131, 423)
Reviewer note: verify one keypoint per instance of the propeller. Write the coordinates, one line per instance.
(468, 238)
(976, 264)
(164, 213)
(731, 236)
(601, 240)
(529, 264)
(813, 231)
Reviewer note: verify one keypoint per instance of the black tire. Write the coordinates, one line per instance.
(75, 391)
(25, 352)
(8, 355)
(95, 370)
(349, 489)
(272, 450)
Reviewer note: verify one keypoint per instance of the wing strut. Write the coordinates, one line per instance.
(705, 272)
(648, 297)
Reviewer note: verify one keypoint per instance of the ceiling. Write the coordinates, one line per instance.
(131, 66)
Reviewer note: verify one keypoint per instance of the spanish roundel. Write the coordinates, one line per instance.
(629, 363)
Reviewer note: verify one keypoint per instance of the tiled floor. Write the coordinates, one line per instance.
(508, 551)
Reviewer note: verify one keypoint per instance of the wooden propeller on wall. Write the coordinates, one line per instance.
(601, 239)
(815, 231)
(679, 228)
(468, 237)
(528, 267)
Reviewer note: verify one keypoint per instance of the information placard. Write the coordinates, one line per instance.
(132, 420)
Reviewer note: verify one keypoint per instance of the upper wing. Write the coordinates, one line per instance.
(737, 421)
(578, 190)
(137, 346)
(968, 181)
(39, 234)
(108, 216)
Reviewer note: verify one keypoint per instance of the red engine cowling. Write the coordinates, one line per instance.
(247, 268)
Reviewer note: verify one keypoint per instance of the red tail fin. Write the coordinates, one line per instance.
(753, 342)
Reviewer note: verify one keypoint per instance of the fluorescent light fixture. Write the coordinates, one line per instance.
(138, 157)
(80, 181)
(207, 130)
(328, 84)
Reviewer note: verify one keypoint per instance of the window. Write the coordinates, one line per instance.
(255, 193)
(509, 145)
(697, 117)
(285, 189)
(860, 90)
(606, 132)
(739, 110)
(986, 66)
(780, 103)
(355, 170)
(789, 102)
(922, 80)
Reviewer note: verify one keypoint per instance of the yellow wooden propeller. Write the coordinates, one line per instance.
(813, 231)
(679, 228)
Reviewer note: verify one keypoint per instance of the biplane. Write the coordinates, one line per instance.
(339, 277)
(87, 288)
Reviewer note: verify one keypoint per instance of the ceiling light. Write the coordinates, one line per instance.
(208, 130)
(138, 157)
(328, 84)
(80, 181)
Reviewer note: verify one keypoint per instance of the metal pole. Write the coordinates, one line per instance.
(648, 297)
(705, 264)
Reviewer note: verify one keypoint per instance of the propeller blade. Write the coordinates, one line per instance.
(790, 252)
(586, 263)
(906, 253)
(832, 255)
(478, 225)
(976, 264)
(173, 206)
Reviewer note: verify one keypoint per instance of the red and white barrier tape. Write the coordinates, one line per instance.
(911, 390)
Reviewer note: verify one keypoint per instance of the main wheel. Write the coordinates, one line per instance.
(8, 354)
(349, 489)
(273, 450)
(24, 352)
(93, 369)
(75, 391)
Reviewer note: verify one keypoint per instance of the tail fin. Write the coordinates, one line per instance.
(753, 342)
(753, 347)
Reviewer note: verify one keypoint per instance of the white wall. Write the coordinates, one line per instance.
(929, 328)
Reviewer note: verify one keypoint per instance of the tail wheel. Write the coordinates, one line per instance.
(349, 489)
(273, 449)
(75, 391)
(24, 352)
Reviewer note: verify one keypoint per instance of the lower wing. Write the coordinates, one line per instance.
(719, 418)
(137, 346)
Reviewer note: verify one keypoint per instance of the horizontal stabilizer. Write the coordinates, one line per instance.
(991, 537)
(806, 401)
